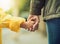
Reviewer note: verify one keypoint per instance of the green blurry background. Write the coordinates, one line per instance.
(20, 8)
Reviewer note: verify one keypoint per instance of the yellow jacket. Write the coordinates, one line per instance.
(11, 22)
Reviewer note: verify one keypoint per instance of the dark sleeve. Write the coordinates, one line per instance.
(36, 6)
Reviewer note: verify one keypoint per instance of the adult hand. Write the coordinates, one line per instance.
(35, 19)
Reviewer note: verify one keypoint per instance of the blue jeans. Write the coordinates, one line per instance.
(53, 31)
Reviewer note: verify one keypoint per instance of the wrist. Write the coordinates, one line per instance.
(23, 25)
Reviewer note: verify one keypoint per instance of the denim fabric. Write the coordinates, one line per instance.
(53, 31)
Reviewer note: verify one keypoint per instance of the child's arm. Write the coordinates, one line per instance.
(13, 23)
(8, 21)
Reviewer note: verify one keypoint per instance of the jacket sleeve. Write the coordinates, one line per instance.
(8, 21)
(36, 6)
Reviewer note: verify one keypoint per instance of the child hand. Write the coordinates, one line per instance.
(27, 25)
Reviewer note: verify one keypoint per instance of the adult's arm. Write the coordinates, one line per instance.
(36, 6)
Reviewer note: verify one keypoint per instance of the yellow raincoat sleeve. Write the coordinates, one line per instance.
(8, 21)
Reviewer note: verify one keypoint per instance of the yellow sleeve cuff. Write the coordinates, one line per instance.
(15, 23)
